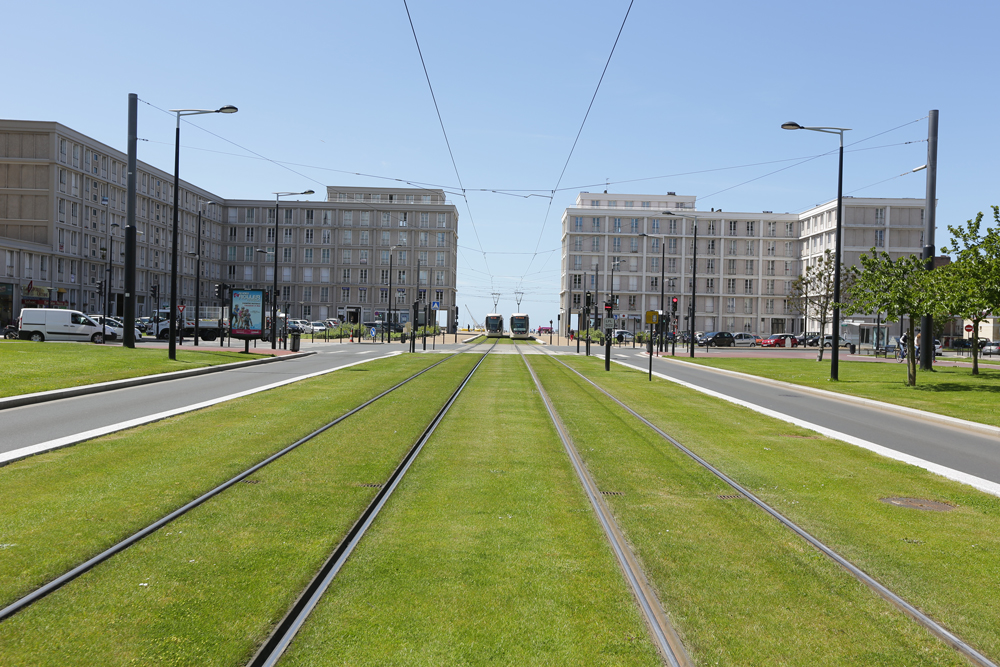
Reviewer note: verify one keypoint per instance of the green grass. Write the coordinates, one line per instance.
(949, 390)
(745, 590)
(206, 589)
(488, 553)
(69, 504)
(30, 367)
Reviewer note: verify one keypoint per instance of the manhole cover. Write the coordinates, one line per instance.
(613, 493)
(919, 504)
(730, 497)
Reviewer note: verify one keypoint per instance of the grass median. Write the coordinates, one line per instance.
(488, 553)
(69, 504)
(779, 588)
(949, 390)
(31, 367)
(207, 589)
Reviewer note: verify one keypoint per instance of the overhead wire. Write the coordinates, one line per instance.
(586, 115)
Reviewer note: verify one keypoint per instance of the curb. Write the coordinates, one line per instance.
(954, 422)
(69, 392)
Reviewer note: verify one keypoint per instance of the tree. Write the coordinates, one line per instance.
(898, 287)
(812, 294)
(972, 288)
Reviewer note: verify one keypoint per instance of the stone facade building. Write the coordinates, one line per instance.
(62, 219)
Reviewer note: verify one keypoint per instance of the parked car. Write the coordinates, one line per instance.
(991, 348)
(41, 324)
(626, 336)
(115, 328)
(332, 323)
(717, 339)
(746, 339)
(318, 327)
(299, 326)
(841, 342)
(778, 340)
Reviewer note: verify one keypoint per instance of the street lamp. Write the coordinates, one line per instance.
(610, 310)
(172, 343)
(835, 348)
(107, 275)
(663, 308)
(197, 271)
(274, 301)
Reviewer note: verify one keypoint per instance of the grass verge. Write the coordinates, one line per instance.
(738, 578)
(488, 553)
(67, 505)
(949, 390)
(30, 367)
(206, 589)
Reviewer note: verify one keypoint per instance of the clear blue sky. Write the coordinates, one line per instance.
(692, 86)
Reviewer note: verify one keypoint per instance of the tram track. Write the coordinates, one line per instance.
(664, 636)
(123, 544)
(281, 637)
(929, 624)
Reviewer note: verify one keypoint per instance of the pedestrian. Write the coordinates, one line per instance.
(916, 350)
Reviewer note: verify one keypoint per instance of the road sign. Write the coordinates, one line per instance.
(180, 309)
(435, 305)
(968, 327)
(652, 317)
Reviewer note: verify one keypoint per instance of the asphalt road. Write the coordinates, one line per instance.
(34, 424)
(956, 448)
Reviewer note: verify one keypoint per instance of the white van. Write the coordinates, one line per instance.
(40, 324)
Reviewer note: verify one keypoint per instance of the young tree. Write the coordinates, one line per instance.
(811, 294)
(898, 287)
(973, 280)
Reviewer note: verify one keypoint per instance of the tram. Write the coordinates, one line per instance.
(494, 326)
(519, 327)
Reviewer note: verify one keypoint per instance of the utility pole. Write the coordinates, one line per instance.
(130, 230)
(926, 321)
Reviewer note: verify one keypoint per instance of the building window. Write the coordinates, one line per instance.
(748, 287)
(578, 224)
(672, 227)
(672, 264)
(732, 227)
(672, 246)
(596, 224)
(345, 294)
(749, 267)
(748, 306)
(772, 228)
(731, 305)
(711, 247)
(655, 225)
(880, 217)
(879, 237)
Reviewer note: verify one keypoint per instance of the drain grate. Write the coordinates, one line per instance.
(734, 496)
(372, 486)
(613, 493)
(251, 481)
(919, 504)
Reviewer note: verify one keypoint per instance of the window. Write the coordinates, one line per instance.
(422, 240)
(750, 228)
(879, 237)
(768, 287)
(288, 236)
(288, 216)
(326, 218)
(362, 276)
(401, 277)
(286, 255)
(646, 204)
(749, 267)
(345, 275)
(439, 278)
(634, 225)
(616, 244)
(383, 295)
(612, 203)
(441, 259)
(671, 284)
(772, 228)
(248, 254)
(365, 217)
(386, 256)
(443, 220)
(401, 257)
(425, 220)
(362, 295)
(404, 238)
(386, 220)
(672, 227)
(770, 248)
(402, 216)
(748, 287)
(345, 257)
(732, 227)
(578, 243)
(347, 236)
(655, 225)
(348, 218)
(595, 244)
(654, 282)
(769, 267)
(309, 236)
(441, 240)
(751, 248)
(789, 228)
(710, 287)
(362, 237)
(308, 256)
(345, 294)
(654, 263)
(672, 246)
(324, 256)
(578, 224)
(709, 266)
(711, 247)
(618, 225)
(596, 223)
(880, 217)
(309, 216)
(577, 262)
(672, 265)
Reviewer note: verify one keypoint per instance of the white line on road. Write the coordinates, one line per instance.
(139, 421)
(957, 475)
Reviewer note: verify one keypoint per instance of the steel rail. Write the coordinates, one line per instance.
(922, 619)
(279, 640)
(89, 564)
(664, 636)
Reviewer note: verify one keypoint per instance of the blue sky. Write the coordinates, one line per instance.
(692, 87)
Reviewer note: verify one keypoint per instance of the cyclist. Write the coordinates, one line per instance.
(901, 349)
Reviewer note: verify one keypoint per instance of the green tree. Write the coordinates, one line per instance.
(972, 288)
(811, 294)
(897, 287)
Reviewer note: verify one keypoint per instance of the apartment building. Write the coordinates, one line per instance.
(62, 220)
(746, 262)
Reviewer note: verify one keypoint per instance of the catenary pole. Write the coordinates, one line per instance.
(926, 321)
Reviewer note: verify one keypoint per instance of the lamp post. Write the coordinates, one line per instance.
(835, 348)
(172, 343)
(107, 276)
(663, 309)
(197, 271)
(610, 311)
(274, 287)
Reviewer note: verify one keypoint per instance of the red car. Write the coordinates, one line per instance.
(778, 340)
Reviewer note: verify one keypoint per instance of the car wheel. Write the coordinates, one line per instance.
(97, 338)
(753, 344)
(208, 337)
(163, 335)
(37, 336)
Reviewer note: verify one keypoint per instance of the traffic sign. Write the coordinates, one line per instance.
(435, 305)
(180, 309)
(968, 327)
(652, 317)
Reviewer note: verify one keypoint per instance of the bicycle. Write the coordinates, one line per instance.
(900, 354)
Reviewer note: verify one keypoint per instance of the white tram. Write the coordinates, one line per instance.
(494, 326)
(519, 326)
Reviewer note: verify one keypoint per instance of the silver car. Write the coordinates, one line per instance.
(745, 339)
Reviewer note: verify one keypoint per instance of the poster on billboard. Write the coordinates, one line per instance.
(247, 314)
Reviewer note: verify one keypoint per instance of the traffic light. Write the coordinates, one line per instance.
(218, 290)
(154, 292)
(100, 287)
(590, 299)
(608, 307)
(673, 305)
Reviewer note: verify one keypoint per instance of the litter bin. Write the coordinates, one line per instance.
(852, 347)
(294, 342)
(402, 337)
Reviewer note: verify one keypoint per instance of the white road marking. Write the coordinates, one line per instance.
(139, 421)
(986, 485)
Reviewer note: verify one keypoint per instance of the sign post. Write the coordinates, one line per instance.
(652, 318)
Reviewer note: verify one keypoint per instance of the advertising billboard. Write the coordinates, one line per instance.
(247, 314)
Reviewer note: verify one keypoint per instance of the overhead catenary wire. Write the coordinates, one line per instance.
(562, 173)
